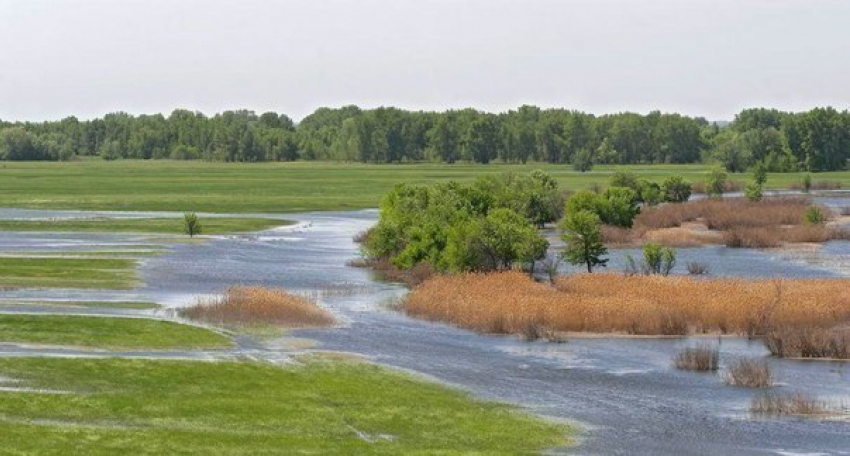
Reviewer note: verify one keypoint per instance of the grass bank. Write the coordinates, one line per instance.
(277, 187)
(134, 305)
(211, 225)
(634, 305)
(168, 407)
(106, 332)
(109, 273)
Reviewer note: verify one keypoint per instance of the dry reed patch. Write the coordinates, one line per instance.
(789, 341)
(797, 404)
(749, 373)
(703, 358)
(249, 306)
(636, 305)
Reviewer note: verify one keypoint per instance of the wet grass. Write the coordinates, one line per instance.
(321, 407)
(134, 305)
(107, 273)
(211, 225)
(106, 332)
(275, 187)
(245, 307)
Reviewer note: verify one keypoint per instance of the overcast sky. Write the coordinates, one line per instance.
(699, 57)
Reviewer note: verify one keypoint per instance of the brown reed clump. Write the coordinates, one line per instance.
(797, 404)
(632, 305)
(734, 222)
(749, 373)
(703, 358)
(247, 306)
(615, 235)
(808, 341)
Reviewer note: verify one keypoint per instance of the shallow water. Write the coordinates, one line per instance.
(623, 391)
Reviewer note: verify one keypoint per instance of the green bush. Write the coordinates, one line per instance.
(753, 192)
(191, 224)
(716, 183)
(814, 216)
(676, 190)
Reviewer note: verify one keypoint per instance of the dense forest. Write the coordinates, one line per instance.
(816, 140)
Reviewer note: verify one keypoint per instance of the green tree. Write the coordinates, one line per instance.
(582, 235)
(583, 160)
(191, 224)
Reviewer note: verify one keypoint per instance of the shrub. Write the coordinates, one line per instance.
(753, 192)
(616, 206)
(749, 373)
(715, 185)
(697, 268)
(583, 160)
(807, 183)
(191, 224)
(649, 192)
(623, 179)
(814, 216)
(676, 190)
(658, 259)
(703, 358)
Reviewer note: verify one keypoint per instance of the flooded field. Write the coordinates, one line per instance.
(623, 391)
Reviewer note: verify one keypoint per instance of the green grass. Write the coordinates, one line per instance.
(275, 187)
(111, 273)
(106, 332)
(134, 305)
(169, 407)
(210, 225)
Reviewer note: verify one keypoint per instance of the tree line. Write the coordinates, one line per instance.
(814, 140)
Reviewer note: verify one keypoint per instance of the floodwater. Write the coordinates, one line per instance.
(622, 392)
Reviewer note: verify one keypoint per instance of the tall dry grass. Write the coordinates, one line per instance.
(258, 306)
(511, 302)
(735, 222)
(703, 358)
(798, 404)
(749, 373)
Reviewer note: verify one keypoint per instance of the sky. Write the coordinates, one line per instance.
(698, 57)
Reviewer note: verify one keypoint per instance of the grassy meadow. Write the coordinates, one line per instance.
(277, 187)
(210, 225)
(106, 332)
(107, 273)
(114, 406)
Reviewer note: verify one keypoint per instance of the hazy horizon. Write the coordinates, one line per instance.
(700, 58)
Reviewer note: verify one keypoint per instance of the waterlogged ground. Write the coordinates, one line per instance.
(623, 391)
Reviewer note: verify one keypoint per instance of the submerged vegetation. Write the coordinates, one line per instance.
(634, 305)
(258, 306)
